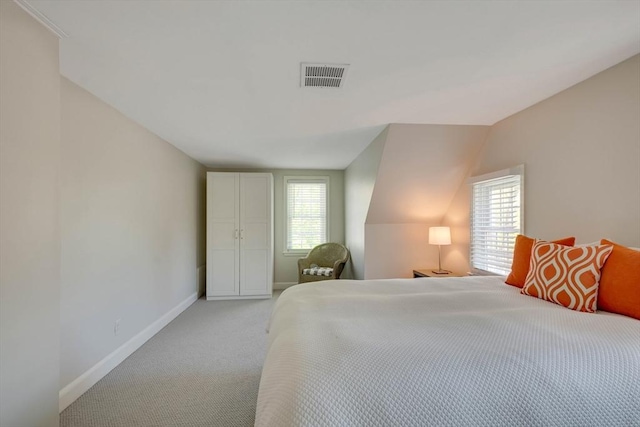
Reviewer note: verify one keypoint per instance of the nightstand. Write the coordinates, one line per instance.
(428, 272)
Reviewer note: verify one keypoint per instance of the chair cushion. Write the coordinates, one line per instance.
(318, 271)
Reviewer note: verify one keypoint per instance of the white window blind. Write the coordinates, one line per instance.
(306, 212)
(496, 219)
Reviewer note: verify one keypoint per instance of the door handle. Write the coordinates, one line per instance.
(241, 236)
(235, 234)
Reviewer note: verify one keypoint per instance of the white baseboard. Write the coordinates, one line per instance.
(283, 285)
(84, 382)
(238, 297)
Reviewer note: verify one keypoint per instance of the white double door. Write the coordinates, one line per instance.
(239, 235)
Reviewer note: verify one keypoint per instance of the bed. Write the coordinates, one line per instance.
(446, 351)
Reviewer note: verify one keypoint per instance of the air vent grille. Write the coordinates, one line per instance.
(323, 75)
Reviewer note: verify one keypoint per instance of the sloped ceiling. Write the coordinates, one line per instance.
(220, 80)
(421, 170)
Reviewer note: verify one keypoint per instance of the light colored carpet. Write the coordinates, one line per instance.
(201, 369)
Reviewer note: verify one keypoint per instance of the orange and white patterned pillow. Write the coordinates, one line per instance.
(566, 276)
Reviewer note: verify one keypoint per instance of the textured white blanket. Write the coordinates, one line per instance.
(446, 351)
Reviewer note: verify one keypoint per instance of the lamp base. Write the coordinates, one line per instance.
(440, 271)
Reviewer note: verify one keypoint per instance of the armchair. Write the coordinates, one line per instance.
(324, 262)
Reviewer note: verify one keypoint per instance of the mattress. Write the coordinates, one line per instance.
(446, 351)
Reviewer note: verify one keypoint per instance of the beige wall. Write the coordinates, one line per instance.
(581, 151)
(286, 266)
(395, 250)
(132, 229)
(421, 169)
(29, 226)
(360, 180)
(402, 184)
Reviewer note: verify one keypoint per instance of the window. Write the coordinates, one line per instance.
(306, 212)
(496, 219)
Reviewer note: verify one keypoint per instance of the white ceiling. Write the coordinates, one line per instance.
(220, 80)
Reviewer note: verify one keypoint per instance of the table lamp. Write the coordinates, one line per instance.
(440, 236)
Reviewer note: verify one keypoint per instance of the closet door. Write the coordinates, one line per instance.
(256, 234)
(223, 234)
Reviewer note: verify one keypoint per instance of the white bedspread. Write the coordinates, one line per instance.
(447, 351)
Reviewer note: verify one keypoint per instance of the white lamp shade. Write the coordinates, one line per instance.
(439, 236)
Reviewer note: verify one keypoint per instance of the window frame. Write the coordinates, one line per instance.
(516, 170)
(304, 179)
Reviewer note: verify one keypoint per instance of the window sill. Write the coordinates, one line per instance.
(296, 254)
(478, 272)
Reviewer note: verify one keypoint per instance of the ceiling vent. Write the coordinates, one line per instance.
(323, 75)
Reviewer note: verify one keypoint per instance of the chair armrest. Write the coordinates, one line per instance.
(303, 263)
(338, 266)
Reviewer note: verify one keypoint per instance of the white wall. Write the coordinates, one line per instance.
(286, 266)
(581, 150)
(132, 235)
(421, 168)
(359, 182)
(29, 226)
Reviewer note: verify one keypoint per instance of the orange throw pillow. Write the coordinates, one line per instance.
(566, 276)
(620, 282)
(522, 258)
